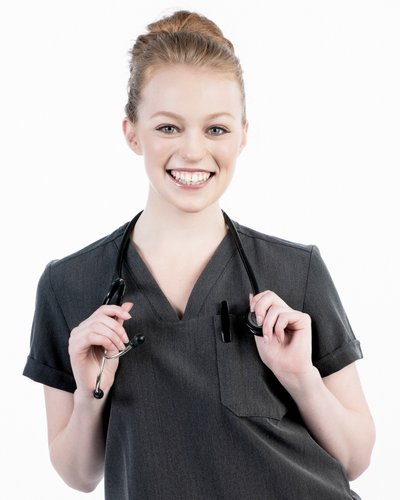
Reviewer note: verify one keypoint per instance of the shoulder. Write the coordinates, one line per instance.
(274, 244)
(77, 283)
(279, 264)
(81, 274)
(90, 254)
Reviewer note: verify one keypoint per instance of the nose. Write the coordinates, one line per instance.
(192, 147)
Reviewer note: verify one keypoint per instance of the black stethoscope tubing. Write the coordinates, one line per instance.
(117, 289)
(127, 236)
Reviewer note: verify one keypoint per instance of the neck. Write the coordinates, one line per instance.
(173, 227)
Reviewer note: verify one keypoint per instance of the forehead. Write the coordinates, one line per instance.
(185, 90)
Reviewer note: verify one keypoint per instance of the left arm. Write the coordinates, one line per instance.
(336, 413)
(333, 408)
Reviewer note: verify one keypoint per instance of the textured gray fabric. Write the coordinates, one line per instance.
(191, 417)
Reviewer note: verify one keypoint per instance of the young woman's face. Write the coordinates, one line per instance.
(190, 132)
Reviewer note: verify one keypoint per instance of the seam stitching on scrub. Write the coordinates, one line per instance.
(308, 275)
(56, 298)
(270, 239)
(138, 287)
(95, 246)
(217, 278)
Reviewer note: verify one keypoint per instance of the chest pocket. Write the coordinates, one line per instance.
(247, 387)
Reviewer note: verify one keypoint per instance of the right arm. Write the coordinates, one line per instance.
(75, 435)
(74, 421)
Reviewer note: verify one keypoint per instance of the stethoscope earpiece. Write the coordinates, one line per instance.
(98, 394)
(137, 340)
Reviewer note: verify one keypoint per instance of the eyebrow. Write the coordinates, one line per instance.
(179, 117)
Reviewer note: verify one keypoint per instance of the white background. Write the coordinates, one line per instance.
(322, 82)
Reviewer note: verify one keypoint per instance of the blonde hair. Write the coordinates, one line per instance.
(181, 38)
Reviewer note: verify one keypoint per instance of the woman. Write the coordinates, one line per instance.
(203, 408)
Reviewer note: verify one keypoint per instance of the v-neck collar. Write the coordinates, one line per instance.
(146, 283)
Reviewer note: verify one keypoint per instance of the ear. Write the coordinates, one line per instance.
(131, 137)
(244, 136)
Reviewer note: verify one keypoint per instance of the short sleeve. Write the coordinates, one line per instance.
(334, 345)
(48, 361)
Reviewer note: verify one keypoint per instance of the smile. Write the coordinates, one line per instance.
(190, 178)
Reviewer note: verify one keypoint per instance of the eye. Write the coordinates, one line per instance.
(215, 130)
(167, 129)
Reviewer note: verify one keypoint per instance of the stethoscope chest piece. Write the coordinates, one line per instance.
(252, 325)
(250, 321)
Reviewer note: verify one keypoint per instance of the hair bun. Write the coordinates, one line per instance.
(180, 38)
(189, 22)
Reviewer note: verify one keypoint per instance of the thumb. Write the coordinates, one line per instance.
(251, 296)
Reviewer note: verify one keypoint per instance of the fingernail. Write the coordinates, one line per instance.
(259, 320)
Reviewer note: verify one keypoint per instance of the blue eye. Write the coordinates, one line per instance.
(217, 130)
(167, 129)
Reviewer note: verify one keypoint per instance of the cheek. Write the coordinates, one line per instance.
(156, 151)
(228, 154)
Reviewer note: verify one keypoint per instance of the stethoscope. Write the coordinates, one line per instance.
(116, 292)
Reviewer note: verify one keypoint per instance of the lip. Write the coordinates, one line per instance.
(191, 170)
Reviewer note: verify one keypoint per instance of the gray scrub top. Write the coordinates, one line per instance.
(189, 416)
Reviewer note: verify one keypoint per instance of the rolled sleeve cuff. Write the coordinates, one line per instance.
(49, 376)
(338, 359)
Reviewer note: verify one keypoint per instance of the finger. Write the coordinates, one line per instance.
(113, 324)
(263, 301)
(260, 304)
(98, 340)
(270, 320)
(255, 298)
(291, 321)
(126, 306)
(114, 311)
(82, 340)
(110, 315)
(100, 328)
(116, 326)
(118, 313)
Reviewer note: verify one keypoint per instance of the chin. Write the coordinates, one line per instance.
(193, 208)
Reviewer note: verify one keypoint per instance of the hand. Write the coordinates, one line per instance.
(286, 343)
(103, 330)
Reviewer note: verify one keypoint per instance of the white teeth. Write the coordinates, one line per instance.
(190, 178)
